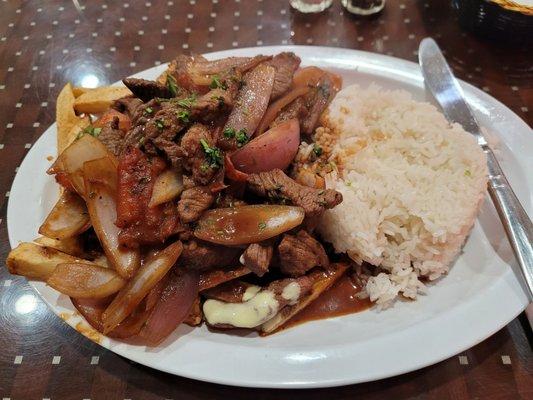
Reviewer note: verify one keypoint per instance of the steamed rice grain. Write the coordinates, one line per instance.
(411, 185)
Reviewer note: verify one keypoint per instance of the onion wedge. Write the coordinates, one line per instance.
(92, 310)
(172, 308)
(83, 280)
(276, 148)
(274, 109)
(71, 161)
(103, 212)
(168, 185)
(68, 218)
(311, 76)
(153, 270)
(247, 224)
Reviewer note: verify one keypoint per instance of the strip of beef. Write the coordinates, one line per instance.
(112, 137)
(299, 253)
(128, 105)
(202, 256)
(195, 159)
(220, 100)
(243, 64)
(294, 110)
(251, 104)
(194, 202)
(276, 185)
(146, 90)
(257, 257)
(162, 129)
(317, 100)
(285, 65)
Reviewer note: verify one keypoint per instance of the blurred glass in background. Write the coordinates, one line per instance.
(363, 7)
(310, 6)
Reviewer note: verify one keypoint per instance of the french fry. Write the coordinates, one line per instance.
(71, 246)
(79, 90)
(321, 282)
(79, 125)
(36, 262)
(65, 116)
(100, 99)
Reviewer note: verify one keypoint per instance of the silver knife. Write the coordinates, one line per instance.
(442, 84)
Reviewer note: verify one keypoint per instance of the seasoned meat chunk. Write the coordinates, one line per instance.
(194, 202)
(127, 105)
(112, 137)
(146, 90)
(257, 257)
(276, 185)
(195, 144)
(285, 65)
(202, 256)
(205, 67)
(162, 129)
(299, 253)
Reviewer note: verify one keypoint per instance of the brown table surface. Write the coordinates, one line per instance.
(44, 44)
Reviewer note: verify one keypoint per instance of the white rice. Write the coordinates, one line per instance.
(412, 185)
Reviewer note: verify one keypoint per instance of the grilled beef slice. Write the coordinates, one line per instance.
(112, 137)
(146, 90)
(285, 64)
(257, 257)
(194, 202)
(202, 256)
(276, 185)
(299, 253)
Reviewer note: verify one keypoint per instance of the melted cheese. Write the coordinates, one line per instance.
(291, 292)
(250, 292)
(259, 308)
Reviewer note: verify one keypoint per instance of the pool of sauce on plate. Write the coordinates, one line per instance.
(340, 299)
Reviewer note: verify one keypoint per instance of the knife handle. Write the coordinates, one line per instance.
(516, 222)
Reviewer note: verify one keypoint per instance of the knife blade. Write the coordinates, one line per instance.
(441, 82)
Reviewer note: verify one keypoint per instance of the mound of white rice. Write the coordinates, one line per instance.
(411, 182)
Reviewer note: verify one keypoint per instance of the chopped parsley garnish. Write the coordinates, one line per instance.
(229, 133)
(467, 172)
(160, 124)
(90, 130)
(220, 100)
(217, 84)
(148, 110)
(212, 154)
(184, 116)
(317, 150)
(262, 225)
(188, 101)
(241, 137)
(172, 85)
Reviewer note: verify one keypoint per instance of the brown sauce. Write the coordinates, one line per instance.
(340, 299)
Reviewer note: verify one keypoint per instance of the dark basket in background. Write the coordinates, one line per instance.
(501, 20)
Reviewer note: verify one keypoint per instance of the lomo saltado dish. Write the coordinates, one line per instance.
(180, 204)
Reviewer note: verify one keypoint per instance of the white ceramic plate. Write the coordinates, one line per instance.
(477, 298)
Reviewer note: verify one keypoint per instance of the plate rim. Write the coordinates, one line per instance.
(471, 91)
